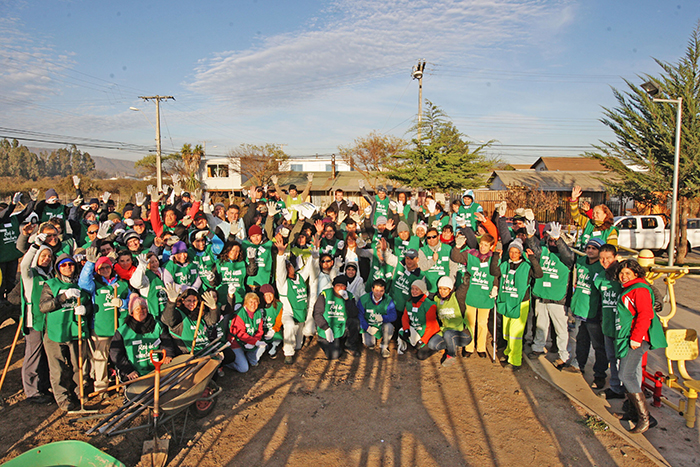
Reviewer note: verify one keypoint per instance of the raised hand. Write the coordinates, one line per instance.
(172, 291)
(530, 227)
(91, 254)
(76, 181)
(34, 194)
(555, 230)
(105, 196)
(576, 193)
(17, 198)
(274, 179)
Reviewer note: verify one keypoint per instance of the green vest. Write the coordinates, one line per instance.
(400, 289)
(264, 260)
(450, 314)
(418, 315)
(609, 297)
(400, 246)
(297, 297)
(157, 297)
(468, 213)
(231, 272)
(183, 275)
(55, 210)
(623, 325)
(555, 277)
(377, 308)
(103, 311)
(480, 283)
(440, 268)
(138, 347)
(334, 313)
(586, 299)
(188, 327)
(270, 314)
(381, 208)
(67, 247)
(38, 318)
(588, 232)
(514, 284)
(329, 246)
(251, 324)
(62, 324)
(205, 261)
(9, 233)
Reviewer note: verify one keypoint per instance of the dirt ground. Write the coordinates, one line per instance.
(359, 411)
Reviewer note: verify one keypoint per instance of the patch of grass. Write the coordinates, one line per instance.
(594, 423)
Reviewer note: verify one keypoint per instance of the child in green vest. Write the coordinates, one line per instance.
(377, 313)
(450, 313)
(272, 319)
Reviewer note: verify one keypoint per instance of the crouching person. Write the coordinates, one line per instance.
(377, 313)
(451, 314)
(247, 334)
(59, 300)
(335, 314)
(140, 333)
(419, 325)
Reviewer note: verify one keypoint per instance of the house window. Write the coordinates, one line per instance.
(217, 171)
(297, 167)
(329, 167)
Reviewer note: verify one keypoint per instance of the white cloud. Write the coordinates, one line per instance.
(365, 40)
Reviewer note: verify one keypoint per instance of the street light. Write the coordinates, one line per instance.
(653, 89)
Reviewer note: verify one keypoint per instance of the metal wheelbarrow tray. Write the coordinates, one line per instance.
(64, 453)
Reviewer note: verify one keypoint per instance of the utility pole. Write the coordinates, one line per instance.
(157, 99)
(417, 73)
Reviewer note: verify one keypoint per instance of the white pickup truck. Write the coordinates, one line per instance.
(652, 232)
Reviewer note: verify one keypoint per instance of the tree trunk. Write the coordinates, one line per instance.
(682, 240)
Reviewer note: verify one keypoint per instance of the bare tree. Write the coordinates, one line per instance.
(372, 155)
(257, 162)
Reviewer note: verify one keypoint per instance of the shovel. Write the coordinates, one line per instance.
(9, 358)
(155, 452)
(80, 369)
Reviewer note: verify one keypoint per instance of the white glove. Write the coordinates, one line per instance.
(393, 206)
(272, 208)
(460, 240)
(368, 211)
(377, 317)
(40, 239)
(72, 293)
(172, 291)
(399, 207)
(251, 253)
(361, 243)
(143, 260)
(460, 220)
(555, 230)
(140, 198)
(274, 179)
(342, 215)
(208, 275)
(232, 287)
(529, 215)
(414, 337)
(118, 232)
(116, 302)
(435, 224)
(269, 334)
(344, 294)
(17, 197)
(286, 213)
(261, 343)
(372, 330)
(103, 231)
(502, 207)
(494, 292)
(361, 183)
(80, 310)
(431, 205)
(76, 181)
(329, 335)
(129, 222)
(310, 177)
(105, 196)
(249, 346)
(401, 347)
(530, 227)
(357, 217)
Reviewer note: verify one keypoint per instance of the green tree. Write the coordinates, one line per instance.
(372, 155)
(643, 154)
(186, 164)
(257, 162)
(146, 166)
(443, 160)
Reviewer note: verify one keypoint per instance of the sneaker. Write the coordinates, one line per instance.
(448, 361)
(512, 367)
(610, 394)
(386, 353)
(220, 372)
(466, 354)
(481, 354)
(503, 359)
(533, 355)
(559, 363)
(571, 369)
(288, 360)
(598, 383)
(41, 399)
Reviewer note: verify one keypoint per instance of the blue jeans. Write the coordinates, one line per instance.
(245, 359)
(454, 339)
(631, 368)
(614, 363)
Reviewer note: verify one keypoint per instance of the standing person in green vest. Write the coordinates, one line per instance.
(609, 288)
(258, 251)
(59, 301)
(453, 323)
(378, 204)
(475, 290)
(405, 273)
(180, 270)
(638, 330)
(293, 287)
(435, 260)
(247, 334)
(132, 343)
(556, 261)
(585, 305)
(52, 207)
(9, 234)
(419, 324)
(336, 317)
(293, 197)
(153, 288)
(98, 280)
(403, 240)
(600, 225)
(377, 313)
(468, 208)
(36, 268)
(513, 280)
(272, 317)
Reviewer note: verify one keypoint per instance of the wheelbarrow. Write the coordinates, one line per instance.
(63, 453)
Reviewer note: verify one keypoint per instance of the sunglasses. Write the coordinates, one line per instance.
(92, 232)
(327, 261)
(431, 237)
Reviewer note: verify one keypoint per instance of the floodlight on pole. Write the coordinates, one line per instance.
(653, 89)
(417, 73)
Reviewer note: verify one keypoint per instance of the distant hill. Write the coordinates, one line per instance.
(114, 167)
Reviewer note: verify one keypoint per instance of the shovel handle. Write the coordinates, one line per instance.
(159, 362)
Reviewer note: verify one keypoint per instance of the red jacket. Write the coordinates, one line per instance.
(238, 330)
(639, 302)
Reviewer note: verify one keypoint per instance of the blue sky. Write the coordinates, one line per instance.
(314, 75)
